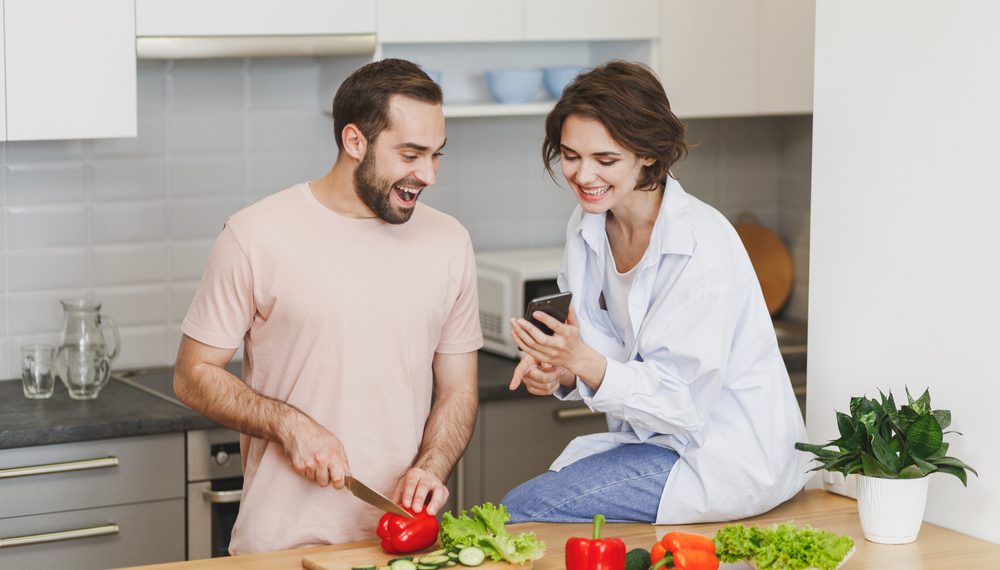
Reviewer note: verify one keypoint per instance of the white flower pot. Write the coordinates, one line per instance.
(891, 510)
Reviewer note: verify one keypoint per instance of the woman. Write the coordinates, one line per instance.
(668, 333)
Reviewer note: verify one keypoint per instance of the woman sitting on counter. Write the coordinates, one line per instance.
(668, 333)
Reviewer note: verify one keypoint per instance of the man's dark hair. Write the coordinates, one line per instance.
(628, 99)
(363, 98)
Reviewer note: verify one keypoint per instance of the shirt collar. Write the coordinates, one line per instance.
(673, 232)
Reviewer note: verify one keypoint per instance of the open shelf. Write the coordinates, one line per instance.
(458, 110)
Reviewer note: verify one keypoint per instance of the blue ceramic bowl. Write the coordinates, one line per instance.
(557, 78)
(514, 85)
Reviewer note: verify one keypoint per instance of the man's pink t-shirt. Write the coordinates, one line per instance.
(340, 318)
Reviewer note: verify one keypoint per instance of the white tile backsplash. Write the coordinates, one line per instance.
(128, 222)
(129, 264)
(189, 258)
(201, 217)
(45, 183)
(181, 295)
(131, 222)
(129, 179)
(46, 226)
(285, 131)
(136, 305)
(202, 133)
(206, 175)
(38, 313)
(33, 270)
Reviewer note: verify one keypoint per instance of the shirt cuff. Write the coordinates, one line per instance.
(614, 389)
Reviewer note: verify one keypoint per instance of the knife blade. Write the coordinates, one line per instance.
(374, 498)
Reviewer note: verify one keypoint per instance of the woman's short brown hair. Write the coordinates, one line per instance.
(363, 98)
(629, 100)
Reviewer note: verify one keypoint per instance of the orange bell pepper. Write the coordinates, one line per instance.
(684, 551)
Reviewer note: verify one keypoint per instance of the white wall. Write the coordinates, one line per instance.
(905, 267)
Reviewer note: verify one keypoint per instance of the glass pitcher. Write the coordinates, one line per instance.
(84, 358)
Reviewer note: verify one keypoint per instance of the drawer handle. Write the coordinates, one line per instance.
(42, 538)
(63, 467)
(222, 497)
(573, 413)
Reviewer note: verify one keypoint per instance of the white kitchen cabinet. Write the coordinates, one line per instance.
(93, 504)
(70, 69)
(437, 21)
(737, 57)
(591, 19)
(3, 87)
(787, 38)
(253, 17)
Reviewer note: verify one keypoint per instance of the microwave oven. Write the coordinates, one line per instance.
(507, 281)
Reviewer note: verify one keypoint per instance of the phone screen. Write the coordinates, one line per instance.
(556, 305)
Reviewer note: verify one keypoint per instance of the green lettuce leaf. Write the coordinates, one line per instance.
(484, 527)
(782, 547)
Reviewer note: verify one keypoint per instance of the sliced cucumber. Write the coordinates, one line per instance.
(398, 558)
(470, 556)
(440, 552)
(402, 564)
(364, 568)
(436, 560)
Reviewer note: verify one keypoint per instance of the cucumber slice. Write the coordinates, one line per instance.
(440, 552)
(470, 556)
(402, 564)
(436, 560)
(398, 558)
(364, 568)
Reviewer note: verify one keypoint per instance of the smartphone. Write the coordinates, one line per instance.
(556, 305)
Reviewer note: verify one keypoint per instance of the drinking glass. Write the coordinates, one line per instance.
(37, 378)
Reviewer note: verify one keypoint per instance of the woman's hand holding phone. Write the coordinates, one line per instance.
(563, 348)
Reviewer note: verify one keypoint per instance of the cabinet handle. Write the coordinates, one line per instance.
(220, 497)
(41, 538)
(572, 413)
(81, 465)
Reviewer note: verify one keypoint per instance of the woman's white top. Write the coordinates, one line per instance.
(704, 375)
(616, 288)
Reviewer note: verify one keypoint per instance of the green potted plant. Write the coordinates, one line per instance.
(892, 450)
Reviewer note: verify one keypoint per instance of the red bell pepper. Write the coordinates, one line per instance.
(684, 551)
(596, 553)
(401, 535)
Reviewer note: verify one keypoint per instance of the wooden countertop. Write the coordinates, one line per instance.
(936, 547)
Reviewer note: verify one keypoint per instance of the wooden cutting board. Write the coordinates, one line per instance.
(771, 262)
(367, 555)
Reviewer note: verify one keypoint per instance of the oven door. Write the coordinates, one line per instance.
(212, 507)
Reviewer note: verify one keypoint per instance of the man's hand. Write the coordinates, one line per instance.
(420, 488)
(315, 453)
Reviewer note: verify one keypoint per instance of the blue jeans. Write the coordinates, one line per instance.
(624, 484)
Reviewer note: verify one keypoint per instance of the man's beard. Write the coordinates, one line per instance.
(375, 192)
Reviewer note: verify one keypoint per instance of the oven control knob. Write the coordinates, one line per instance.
(221, 458)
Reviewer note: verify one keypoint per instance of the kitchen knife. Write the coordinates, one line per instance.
(374, 498)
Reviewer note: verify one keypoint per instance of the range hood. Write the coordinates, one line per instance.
(205, 47)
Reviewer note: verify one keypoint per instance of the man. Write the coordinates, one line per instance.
(353, 302)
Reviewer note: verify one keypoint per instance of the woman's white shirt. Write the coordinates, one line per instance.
(703, 376)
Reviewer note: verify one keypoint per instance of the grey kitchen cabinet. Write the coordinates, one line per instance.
(516, 440)
(93, 504)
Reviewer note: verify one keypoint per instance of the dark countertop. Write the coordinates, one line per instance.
(119, 411)
(122, 410)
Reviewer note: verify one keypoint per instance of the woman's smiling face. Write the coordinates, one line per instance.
(600, 171)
